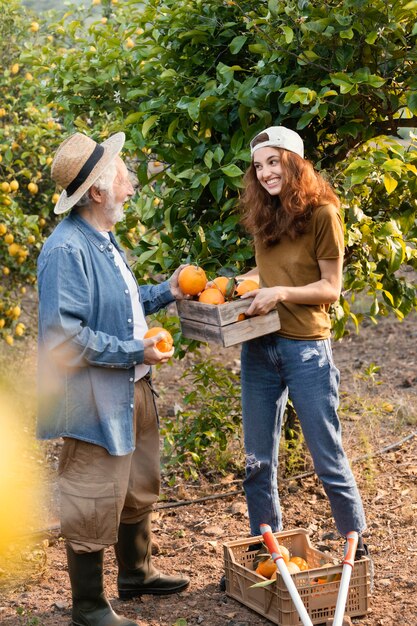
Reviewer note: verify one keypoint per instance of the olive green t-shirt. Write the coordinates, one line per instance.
(295, 263)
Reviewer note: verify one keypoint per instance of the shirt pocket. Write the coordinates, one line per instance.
(88, 511)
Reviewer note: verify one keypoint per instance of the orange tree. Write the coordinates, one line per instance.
(28, 132)
(191, 82)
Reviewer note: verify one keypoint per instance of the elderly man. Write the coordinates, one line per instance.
(94, 381)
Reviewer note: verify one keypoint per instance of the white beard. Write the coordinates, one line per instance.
(114, 212)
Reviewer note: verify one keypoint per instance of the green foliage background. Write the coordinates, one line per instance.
(191, 82)
(38, 6)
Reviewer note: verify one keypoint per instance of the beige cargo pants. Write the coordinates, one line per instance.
(98, 490)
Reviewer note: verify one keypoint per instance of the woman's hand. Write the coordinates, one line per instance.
(264, 300)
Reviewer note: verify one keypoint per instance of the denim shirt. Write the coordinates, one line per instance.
(87, 353)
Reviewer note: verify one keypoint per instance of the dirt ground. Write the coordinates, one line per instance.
(378, 412)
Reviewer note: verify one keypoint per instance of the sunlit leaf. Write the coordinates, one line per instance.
(390, 183)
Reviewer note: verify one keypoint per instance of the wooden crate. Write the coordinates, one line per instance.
(220, 323)
(274, 601)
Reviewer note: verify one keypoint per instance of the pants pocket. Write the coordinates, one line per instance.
(88, 511)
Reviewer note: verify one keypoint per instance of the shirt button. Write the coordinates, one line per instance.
(126, 290)
(131, 380)
(131, 406)
(129, 320)
(134, 362)
(101, 247)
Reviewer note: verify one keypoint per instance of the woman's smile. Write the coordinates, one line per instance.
(268, 168)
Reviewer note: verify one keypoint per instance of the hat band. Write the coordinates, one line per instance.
(86, 170)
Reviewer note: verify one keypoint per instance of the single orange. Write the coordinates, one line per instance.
(293, 568)
(163, 345)
(226, 285)
(192, 279)
(212, 295)
(302, 563)
(246, 285)
(285, 553)
(221, 283)
(266, 568)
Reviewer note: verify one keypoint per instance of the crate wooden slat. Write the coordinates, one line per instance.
(220, 324)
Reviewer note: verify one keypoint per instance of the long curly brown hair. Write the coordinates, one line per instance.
(267, 218)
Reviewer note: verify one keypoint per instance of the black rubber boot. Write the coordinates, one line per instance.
(90, 606)
(137, 575)
(361, 550)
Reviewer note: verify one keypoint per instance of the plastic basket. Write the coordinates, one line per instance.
(318, 587)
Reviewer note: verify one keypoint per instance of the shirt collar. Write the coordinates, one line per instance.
(90, 232)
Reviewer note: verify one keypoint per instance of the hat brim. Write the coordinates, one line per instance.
(112, 147)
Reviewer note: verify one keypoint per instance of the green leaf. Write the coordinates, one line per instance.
(170, 73)
(237, 44)
(258, 48)
(189, 173)
(346, 34)
(307, 56)
(305, 120)
(376, 81)
(225, 73)
(288, 33)
(201, 180)
(147, 124)
(133, 118)
(393, 165)
(343, 81)
(371, 37)
(172, 127)
(273, 6)
(231, 170)
(145, 256)
(218, 154)
(374, 308)
(193, 109)
(264, 583)
(412, 101)
(208, 158)
(216, 187)
(358, 164)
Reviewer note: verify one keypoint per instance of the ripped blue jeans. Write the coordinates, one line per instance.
(274, 368)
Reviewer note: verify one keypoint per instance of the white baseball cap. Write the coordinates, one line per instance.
(279, 137)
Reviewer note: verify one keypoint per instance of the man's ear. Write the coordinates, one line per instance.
(96, 194)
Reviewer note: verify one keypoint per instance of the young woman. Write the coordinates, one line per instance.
(293, 215)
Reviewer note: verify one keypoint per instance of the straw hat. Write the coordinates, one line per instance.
(78, 163)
